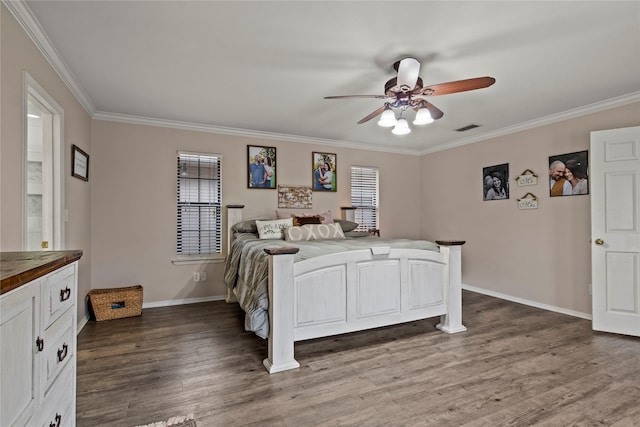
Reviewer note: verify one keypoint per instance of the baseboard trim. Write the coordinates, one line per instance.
(535, 304)
(182, 301)
(82, 323)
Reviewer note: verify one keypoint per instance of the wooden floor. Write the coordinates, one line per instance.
(515, 366)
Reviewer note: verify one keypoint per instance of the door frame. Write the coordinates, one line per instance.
(31, 87)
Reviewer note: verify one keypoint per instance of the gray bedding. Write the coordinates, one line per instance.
(247, 268)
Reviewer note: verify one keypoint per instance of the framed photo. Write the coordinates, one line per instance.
(323, 171)
(495, 182)
(569, 174)
(261, 167)
(79, 163)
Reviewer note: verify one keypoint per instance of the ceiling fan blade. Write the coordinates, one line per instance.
(435, 112)
(357, 96)
(457, 86)
(372, 115)
(408, 70)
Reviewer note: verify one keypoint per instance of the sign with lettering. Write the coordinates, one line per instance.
(529, 201)
(528, 177)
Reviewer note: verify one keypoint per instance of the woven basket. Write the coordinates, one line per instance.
(116, 303)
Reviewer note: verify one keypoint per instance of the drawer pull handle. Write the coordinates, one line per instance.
(63, 353)
(40, 344)
(65, 294)
(58, 421)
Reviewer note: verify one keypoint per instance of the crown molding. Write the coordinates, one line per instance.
(543, 121)
(31, 26)
(247, 133)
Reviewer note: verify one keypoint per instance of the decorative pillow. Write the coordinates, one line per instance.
(302, 220)
(327, 217)
(346, 225)
(356, 234)
(273, 229)
(248, 226)
(313, 232)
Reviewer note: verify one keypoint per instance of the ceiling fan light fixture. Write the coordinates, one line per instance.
(388, 118)
(402, 127)
(423, 117)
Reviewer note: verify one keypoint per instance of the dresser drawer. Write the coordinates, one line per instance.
(58, 408)
(59, 349)
(58, 293)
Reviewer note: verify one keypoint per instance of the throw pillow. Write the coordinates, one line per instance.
(302, 220)
(273, 229)
(313, 232)
(346, 225)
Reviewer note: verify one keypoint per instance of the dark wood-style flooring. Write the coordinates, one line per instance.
(515, 366)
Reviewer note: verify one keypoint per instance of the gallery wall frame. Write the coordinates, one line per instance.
(324, 168)
(79, 163)
(261, 167)
(495, 182)
(569, 174)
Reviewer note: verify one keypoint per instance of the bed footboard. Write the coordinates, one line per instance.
(358, 290)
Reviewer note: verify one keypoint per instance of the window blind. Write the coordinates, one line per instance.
(199, 213)
(364, 196)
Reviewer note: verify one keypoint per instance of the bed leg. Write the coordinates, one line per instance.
(280, 357)
(231, 297)
(451, 322)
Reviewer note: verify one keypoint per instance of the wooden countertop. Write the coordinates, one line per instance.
(18, 268)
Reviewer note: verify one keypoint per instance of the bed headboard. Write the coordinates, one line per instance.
(234, 216)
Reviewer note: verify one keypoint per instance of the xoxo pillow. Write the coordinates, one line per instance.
(313, 232)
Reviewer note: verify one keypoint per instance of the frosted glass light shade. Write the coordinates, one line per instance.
(402, 127)
(387, 119)
(423, 117)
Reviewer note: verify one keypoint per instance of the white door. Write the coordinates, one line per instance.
(43, 223)
(615, 230)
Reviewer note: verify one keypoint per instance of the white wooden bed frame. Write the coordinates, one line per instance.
(356, 290)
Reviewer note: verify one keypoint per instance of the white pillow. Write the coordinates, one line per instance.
(313, 232)
(273, 229)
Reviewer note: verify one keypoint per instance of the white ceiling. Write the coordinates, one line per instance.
(263, 67)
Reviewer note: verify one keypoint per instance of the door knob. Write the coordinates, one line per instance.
(599, 242)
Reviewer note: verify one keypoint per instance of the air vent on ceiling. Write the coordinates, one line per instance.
(466, 128)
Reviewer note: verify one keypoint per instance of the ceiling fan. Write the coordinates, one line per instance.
(406, 91)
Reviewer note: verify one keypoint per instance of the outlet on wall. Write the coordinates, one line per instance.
(203, 276)
(196, 277)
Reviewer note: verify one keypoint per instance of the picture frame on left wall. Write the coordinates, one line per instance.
(79, 163)
(261, 167)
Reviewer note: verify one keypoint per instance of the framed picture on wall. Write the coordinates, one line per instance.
(495, 182)
(569, 174)
(323, 171)
(261, 167)
(79, 163)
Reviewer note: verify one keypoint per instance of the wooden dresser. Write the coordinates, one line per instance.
(38, 328)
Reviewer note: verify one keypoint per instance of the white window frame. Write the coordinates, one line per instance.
(365, 196)
(213, 203)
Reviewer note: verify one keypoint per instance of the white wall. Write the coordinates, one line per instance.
(542, 255)
(19, 54)
(134, 200)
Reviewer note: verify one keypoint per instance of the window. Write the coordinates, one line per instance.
(199, 228)
(364, 196)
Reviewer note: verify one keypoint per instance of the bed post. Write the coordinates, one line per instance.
(281, 307)
(452, 321)
(234, 216)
